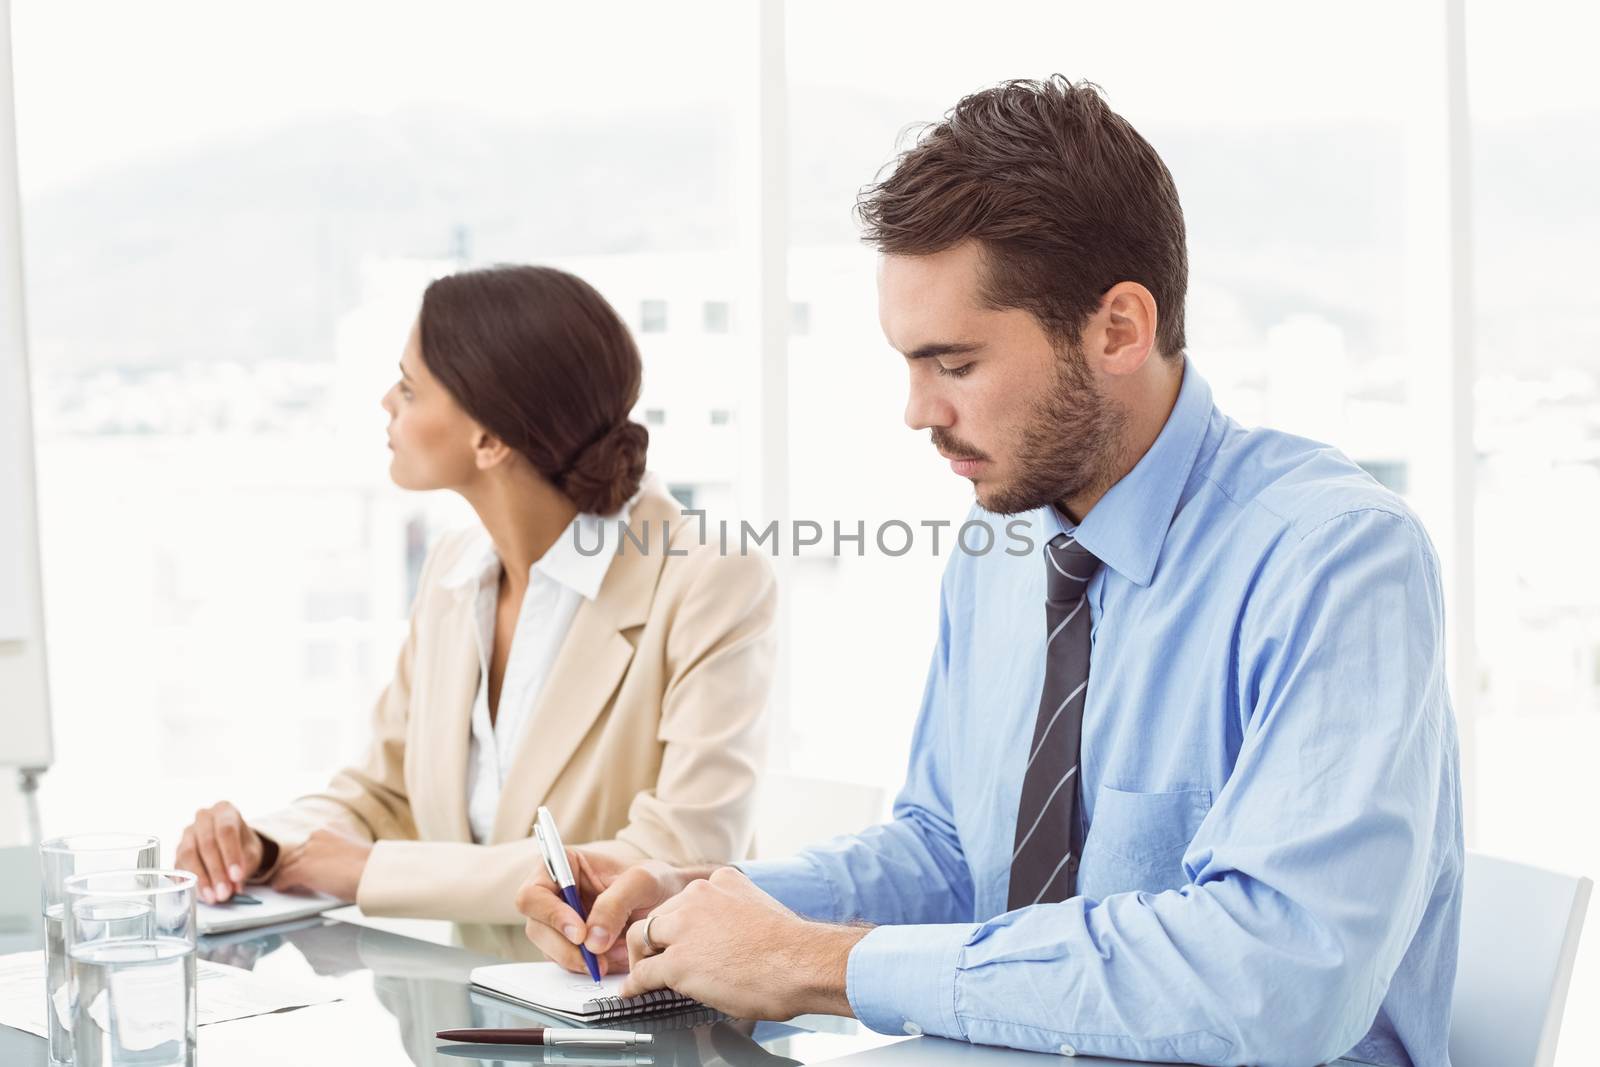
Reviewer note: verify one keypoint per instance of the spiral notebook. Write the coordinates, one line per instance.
(547, 987)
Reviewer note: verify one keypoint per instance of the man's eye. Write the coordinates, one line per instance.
(955, 372)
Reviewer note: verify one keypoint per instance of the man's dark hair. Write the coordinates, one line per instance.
(1064, 195)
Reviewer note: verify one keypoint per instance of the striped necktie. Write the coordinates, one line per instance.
(1044, 867)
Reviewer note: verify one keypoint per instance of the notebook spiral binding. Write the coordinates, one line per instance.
(655, 1002)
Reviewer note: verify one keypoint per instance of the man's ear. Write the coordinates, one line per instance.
(488, 450)
(1122, 333)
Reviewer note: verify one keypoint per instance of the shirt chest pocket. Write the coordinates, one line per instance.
(1137, 840)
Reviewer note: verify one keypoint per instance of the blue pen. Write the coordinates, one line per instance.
(555, 862)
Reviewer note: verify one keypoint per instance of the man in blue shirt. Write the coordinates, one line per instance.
(1208, 807)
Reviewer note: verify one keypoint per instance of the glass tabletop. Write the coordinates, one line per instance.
(396, 992)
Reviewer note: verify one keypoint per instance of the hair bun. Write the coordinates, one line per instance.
(606, 474)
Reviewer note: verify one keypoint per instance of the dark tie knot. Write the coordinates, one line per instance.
(1068, 566)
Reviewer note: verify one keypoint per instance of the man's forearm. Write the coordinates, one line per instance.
(826, 964)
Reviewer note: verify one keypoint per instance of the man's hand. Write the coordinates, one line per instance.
(327, 862)
(727, 944)
(221, 850)
(615, 894)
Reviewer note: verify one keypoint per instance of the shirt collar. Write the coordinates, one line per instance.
(562, 562)
(578, 572)
(1128, 525)
(477, 564)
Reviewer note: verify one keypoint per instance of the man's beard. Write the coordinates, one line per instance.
(1071, 443)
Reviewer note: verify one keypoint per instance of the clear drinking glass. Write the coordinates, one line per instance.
(131, 949)
(60, 858)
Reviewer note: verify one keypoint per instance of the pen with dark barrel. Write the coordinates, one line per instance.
(548, 1035)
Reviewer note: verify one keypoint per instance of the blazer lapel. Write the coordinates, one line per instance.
(447, 703)
(591, 664)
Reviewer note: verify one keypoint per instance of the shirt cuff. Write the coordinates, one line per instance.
(797, 883)
(902, 979)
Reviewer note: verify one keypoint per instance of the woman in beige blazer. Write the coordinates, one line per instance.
(623, 687)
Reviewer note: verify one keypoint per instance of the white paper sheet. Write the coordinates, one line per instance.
(222, 993)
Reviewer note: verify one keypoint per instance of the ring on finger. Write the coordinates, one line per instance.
(650, 947)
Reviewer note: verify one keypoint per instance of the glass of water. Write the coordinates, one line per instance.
(131, 951)
(60, 858)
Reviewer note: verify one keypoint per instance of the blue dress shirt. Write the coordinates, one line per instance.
(1269, 780)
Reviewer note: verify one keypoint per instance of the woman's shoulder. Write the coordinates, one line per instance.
(677, 563)
(700, 546)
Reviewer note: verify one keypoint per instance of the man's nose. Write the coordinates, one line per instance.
(925, 409)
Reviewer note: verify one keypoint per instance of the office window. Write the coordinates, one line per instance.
(715, 316)
(652, 316)
(1391, 473)
(721, 416)
(324, 659)
(683, 494)
(1535, 140)
(1293, 314)
(222, 401)
(655, 417)
(799, 318)
(328, 603)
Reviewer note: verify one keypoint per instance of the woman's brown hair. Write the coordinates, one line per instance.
(543, 362)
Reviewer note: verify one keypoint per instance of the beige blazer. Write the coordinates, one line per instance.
(645, 741)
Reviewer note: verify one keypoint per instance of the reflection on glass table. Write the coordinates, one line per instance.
(396, 992)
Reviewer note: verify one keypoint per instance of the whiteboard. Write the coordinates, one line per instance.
(24, 694)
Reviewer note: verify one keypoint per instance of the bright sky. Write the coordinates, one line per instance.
(103, 81)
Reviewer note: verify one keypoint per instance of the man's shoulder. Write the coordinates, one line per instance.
(1289, 487)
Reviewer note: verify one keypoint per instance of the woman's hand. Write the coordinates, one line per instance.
(327, 862)
(616, 894)
(221, 850)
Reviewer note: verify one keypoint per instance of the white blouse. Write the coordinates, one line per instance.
(557, 583)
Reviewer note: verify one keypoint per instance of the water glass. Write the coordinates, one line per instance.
(60, 858)
(131, 951)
